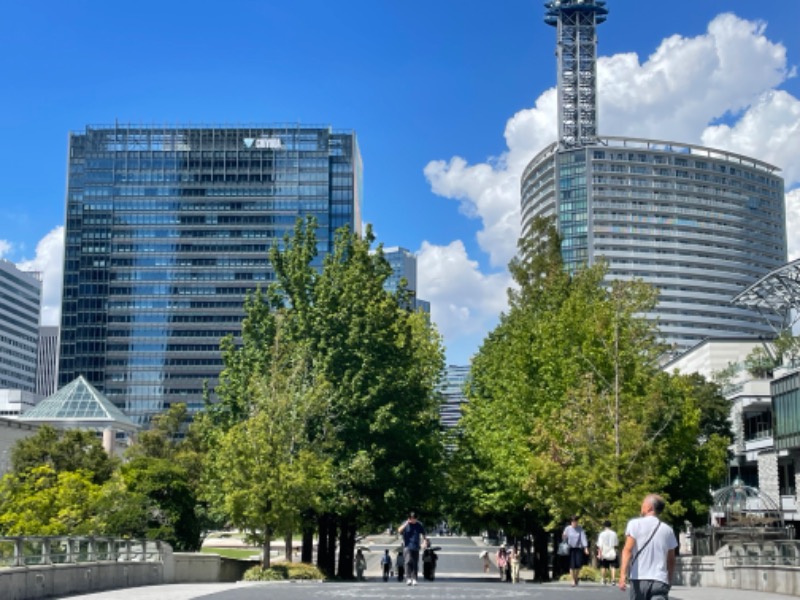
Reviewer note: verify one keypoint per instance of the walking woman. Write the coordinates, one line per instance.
(575, 537)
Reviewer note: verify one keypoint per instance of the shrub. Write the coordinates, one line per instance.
(283, 571)
(587, 573)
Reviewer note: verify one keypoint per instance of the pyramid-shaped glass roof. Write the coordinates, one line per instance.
(79, 404)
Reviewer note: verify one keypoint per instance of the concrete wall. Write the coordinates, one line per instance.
(722, 571)
(47, 581)
(28, 583)
(11, 431)
(190, 567)
(195, 568)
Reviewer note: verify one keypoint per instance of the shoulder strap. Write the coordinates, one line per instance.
(639, 551)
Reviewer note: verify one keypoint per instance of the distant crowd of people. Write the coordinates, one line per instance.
(644, 566)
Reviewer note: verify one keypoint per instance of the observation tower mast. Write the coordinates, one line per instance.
(576, 49)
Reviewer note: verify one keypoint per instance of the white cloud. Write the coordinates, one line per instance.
(793, 222)
(728, 74)
(464, 301)
(769, 130)
(490, 191)
(5, 248)
(688, 82)
(49, 261)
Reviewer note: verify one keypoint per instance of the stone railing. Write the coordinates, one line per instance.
(26, 551)
(777, 553)
(767, 566)
(44, 567)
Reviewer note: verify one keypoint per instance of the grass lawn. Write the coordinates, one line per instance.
(232, 552)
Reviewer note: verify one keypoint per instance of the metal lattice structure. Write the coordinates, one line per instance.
(743, 507)
(576, 22)
(778, 292)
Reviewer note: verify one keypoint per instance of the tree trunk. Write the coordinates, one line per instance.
(287, 549)
(560, 563)
(326, 548)
(307, 551)
(347, 549)
(541, 559)
(265, 549)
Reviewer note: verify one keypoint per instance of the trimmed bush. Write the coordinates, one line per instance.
(284, 571)
(587, 574)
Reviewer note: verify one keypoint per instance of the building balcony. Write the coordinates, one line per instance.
(753, 390)
(754, 446)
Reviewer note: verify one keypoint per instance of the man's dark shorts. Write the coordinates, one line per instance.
(647, 589)
(605, 563)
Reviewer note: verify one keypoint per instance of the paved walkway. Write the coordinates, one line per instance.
(459, 576)
(371, 590)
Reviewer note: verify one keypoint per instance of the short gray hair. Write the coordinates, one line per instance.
(657, 502)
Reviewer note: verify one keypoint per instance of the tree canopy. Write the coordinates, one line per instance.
(569, 411)
(329, 395)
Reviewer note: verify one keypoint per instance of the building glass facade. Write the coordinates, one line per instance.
(404, 266)
(453, 396)
(786, 412)
(47, 367)
(167, 230)
(699, 224)
(20, 301)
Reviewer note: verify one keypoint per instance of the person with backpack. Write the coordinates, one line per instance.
(607, 558)
(386, 564)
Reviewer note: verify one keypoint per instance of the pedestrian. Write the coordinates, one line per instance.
(501, 559)
(514, 560)
(575, 537)
(607, 557)
(386, 564)
(361, 565)
(400, 566)
(648, 557)
(412, 531)
(429, 559)
(484, 556)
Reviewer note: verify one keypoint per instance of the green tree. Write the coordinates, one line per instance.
(164, 471)
(169, 497)
(569, 411)
(70, 450)
(371, 364)
(42, 501)
(265, 472)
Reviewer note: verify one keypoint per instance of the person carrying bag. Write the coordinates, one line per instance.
(651, 567)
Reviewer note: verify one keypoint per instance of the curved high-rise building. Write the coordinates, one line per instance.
(699, 224)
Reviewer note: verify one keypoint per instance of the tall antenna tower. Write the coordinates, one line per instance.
(576, 49)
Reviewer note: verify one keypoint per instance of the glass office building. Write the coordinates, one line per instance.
(20, 300)
(167, 230)
(699, 224)
(451, 387)
(404, 266)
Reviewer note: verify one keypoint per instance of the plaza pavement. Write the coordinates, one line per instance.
(459, 576)
(378, 590)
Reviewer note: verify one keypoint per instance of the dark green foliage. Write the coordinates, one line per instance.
(70, 450)
(365, 368)
(170, 500)
(570, 413)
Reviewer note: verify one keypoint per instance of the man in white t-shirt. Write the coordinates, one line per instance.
(607, 558)
(648, 557)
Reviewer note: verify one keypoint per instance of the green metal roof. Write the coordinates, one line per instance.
(79, 404)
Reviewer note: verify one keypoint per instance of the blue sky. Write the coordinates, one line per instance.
(449, 100)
